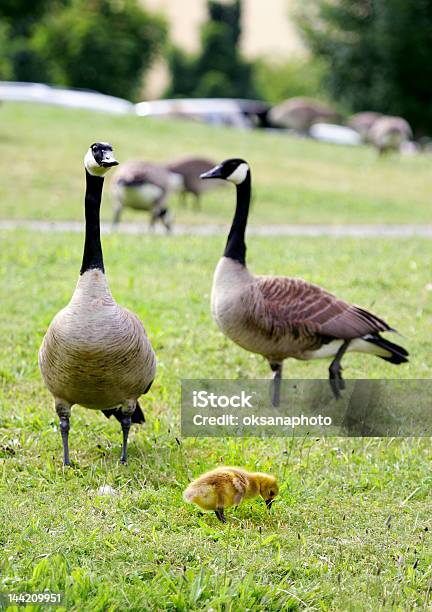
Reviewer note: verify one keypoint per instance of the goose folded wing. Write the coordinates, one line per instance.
(290, 305)
(137, 173)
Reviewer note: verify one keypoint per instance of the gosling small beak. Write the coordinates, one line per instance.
(269, 503)
(215, 172)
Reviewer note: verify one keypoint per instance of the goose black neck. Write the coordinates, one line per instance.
(235, 246)
(92, 256)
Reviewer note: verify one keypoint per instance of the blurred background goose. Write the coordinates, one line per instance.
(190, 169)
(362, 123)
(144, 186)
(96, 353)
(389, 134)
(280, 317)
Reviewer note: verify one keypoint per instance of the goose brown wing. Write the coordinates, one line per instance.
(293, 305)
(138, 172)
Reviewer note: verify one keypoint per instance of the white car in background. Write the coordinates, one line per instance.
(60, 96)
(216, 111)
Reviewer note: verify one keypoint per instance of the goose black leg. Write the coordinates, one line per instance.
(165, 217)
(220, 514)
(337, 383)
(152, 221)
(277, 375)
(125, 421)
(63, 411)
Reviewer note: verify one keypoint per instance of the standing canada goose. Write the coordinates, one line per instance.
(191, 168)
(96, 353)
(280, 317)
(144, 186)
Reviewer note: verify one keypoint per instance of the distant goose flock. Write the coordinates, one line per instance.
(96, 353)
(280, 317)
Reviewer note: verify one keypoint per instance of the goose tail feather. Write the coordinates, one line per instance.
(136, 417)
(394, 353)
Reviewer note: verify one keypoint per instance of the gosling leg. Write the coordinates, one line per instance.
(63, 410)
(337, 383)
(220, 514)
(125, 425)
(277, 375)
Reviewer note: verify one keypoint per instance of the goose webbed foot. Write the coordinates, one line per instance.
(125, 425)
(337, 383)
(277, 375)
(220, 514)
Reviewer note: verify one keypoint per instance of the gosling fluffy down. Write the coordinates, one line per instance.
(229, 486)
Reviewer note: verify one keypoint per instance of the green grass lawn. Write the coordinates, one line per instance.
(352, 527)
(296, 181)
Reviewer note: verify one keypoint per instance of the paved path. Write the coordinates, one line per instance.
(356, 231)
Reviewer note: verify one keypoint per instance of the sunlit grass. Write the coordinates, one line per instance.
(351, 529)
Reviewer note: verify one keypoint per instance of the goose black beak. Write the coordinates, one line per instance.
(215, 172)
(269, 503)
(109, 162)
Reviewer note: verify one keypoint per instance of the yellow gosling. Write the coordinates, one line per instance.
(229, 486)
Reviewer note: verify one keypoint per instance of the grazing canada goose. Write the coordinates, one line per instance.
(389, 134)
(301, 113)
(362, 123)
(280, 317)
(96, 353)
(229, 486)
(144, 186)
(190, 168)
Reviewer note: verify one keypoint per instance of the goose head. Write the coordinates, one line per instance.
(234, 170)
(99, 159)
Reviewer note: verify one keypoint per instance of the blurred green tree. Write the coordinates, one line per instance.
(298, 76)
(378, 53)
(18, 18)
(105, 45)
(219, 69)
(6, 66)
(99, 44)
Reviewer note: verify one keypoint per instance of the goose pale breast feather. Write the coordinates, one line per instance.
(283, 305)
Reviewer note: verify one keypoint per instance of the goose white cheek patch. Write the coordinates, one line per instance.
(239, 174)
(92, 166)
